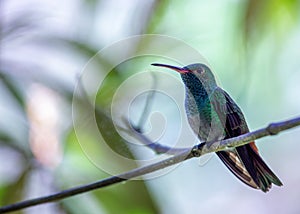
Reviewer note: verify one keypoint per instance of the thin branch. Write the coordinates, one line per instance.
(137, 130)
(149, 103)
(155, 146)
(271, 129)
(197, 151)
(99, 184)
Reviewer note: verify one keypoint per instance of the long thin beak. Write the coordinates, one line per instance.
(178, 69)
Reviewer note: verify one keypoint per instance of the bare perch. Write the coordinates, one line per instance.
(197, 151)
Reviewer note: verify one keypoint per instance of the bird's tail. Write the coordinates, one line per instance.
(247, 165)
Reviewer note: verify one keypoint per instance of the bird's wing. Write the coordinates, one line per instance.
(233, 162)
(234, 125)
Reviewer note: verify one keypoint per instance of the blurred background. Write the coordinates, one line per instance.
(252, 46)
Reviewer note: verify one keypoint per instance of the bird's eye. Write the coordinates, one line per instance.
(201, 70)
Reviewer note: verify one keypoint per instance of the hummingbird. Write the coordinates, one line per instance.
(213, 115)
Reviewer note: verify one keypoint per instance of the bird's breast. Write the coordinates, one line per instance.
(202, 118)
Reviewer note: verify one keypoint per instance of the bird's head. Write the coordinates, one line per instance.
(194, 71)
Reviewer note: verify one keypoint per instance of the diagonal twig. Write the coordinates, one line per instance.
(196, 151)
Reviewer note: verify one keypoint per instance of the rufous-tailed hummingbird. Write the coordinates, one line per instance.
(213, 115)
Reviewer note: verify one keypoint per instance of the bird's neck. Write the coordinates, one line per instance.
(199, 89)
